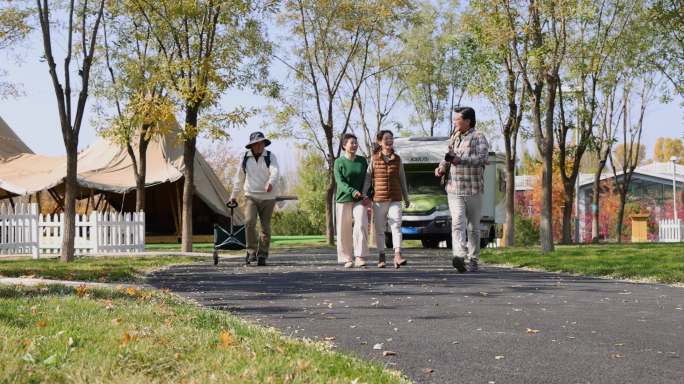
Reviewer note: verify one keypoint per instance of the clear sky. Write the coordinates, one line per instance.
(34, 115)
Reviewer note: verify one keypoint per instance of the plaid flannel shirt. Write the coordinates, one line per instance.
(467, 177)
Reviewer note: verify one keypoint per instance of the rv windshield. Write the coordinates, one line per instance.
(423, 183)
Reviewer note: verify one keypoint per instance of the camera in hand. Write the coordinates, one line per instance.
(449, 157)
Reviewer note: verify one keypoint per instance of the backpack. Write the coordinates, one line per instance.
(267, 158)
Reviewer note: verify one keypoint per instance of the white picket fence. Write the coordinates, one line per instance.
(671, 230)
(24, 231)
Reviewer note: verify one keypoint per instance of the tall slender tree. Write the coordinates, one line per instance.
(89, 17)
(631, 139)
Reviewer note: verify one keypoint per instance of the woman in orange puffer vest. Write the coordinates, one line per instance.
(386, 177)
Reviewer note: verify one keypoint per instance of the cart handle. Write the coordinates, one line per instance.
(232, 205)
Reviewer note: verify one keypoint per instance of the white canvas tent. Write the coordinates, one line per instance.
(106, 167)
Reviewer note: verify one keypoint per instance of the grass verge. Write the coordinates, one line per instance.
(58, 334)
(99, 269)
(662, 262)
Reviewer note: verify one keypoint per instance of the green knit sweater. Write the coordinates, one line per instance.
(349, 176)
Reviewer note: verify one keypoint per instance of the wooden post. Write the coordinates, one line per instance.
(94, 232)
(35, 231)
(640, 227)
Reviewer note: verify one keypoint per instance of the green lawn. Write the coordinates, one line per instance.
(277, 242)
(102, 269)
(64, 335)
(658, 262)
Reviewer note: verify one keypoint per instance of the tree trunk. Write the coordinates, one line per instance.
(140, 193)
(595, 196)
(329, 207)
(546, 221)
(189, 150)
(510, 200)
(141, 174)
(569, 199)
(621, 215)
(71, 190)
(595, 200)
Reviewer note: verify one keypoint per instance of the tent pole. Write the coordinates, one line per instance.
(88, 201)
(55, 197)
(99, 200)
(123, 199)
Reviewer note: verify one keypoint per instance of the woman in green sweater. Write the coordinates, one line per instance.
(351, 205)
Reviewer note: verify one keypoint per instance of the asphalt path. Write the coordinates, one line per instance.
(499, 325)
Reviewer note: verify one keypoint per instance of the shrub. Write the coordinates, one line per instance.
(526, 231)
(293, 222)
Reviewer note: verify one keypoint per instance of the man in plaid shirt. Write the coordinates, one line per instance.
(466, 160)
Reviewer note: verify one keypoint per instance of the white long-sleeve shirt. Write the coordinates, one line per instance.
(256, 177)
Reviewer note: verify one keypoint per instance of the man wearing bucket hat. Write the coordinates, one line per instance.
(257, 179)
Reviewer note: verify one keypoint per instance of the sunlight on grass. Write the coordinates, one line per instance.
(659, 262)
(59, 334)
(101, 269)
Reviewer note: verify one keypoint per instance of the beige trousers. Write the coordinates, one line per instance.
(466, 212)
(387, 213)
(264, 209)
(352, 231)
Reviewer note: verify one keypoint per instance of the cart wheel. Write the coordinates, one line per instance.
(215, 257)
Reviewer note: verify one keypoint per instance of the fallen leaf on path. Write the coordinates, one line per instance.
(499, 357)
(617, 356)
(428, 371)
(378, 346)
(329, 338)
(532, 331)
(389, 353)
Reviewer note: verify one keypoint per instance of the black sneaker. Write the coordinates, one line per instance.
(250, 259)
(261, 261)
(472, 265)
(459, 264)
